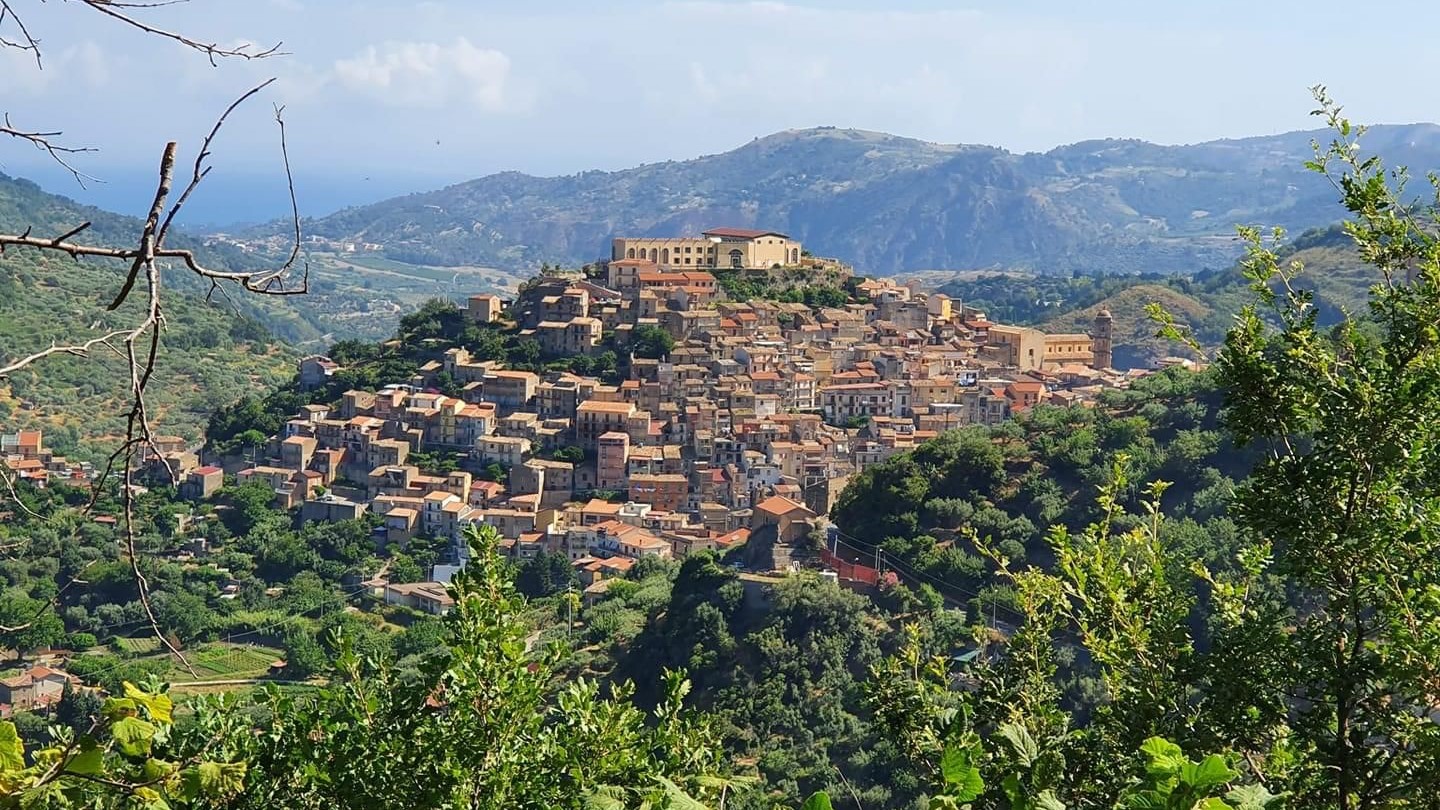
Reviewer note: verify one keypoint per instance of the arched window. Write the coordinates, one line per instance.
(794, 255)
(737, 259)
(654, 255)
(665, 256)
(630, 254)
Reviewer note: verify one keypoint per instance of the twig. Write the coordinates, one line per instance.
(201, 170)
(29, 42)
(42, 140)
(213, 51)
(14, 495)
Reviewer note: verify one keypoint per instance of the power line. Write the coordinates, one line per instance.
(914, 573)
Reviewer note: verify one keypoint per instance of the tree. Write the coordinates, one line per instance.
(485, 727)
(651, 342)
(422, 637)
(545, 574)
(1351, 427)
(184, 614)
(78, 708)
(303, 654)
(28, 624)
(403, 568)
(570, 453)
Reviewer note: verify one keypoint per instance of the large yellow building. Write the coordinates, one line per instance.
(718, 248)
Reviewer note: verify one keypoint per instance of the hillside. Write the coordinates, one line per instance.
(209, 351)
(1205, 302)
(1136, 345)
(893, 204)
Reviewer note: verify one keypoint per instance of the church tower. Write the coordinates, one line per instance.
(1101, 337)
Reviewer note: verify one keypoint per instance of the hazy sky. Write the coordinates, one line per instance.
(416, 95)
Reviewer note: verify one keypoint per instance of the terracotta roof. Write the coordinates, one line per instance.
(778, 505)
(741, 233)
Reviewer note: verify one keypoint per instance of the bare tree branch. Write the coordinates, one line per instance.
(27, 42)
(42, 141)
(78, 350)
(139, 344)
(212, 51)
(201, 170)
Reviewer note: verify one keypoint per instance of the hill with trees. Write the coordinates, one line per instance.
(1203, 303)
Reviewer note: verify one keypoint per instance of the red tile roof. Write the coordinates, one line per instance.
(742, 233)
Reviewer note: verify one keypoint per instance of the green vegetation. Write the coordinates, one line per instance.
(1204, 302)
(924, 509)
(791, 287)
(651, 342)
(1234, 608)
(207, 354)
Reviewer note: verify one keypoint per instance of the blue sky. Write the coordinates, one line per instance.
(387, 97)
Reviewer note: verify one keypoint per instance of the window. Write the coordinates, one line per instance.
(630, 254)
(737, 259)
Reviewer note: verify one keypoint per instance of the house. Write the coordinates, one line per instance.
(666, 492)
(790, 519)
(733, 248)
(34, 688)
(329, 508)
(316, 371)
(426, 597)
(202, 482)
(485, 308)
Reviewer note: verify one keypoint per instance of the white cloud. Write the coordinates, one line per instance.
(429, 75)
(78, 67)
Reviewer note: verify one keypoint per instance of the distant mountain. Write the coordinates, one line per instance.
(890, 204)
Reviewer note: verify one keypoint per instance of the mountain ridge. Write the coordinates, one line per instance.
(893, 204)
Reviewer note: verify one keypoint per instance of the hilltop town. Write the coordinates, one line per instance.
(727, 417)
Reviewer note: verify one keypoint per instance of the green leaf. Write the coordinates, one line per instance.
(1208, 773)
(158, 706)
(1164, 757)
(1251, 797)
(116, 708)
(679, 799)
(817, 801)
(1047, 801)
(604, 798)
(12, 750)
(1021, 742)
(212, 780)
(133, 736)
(1013, 792)
(151, 799)
(1213, 803)
(960, 774)
(90, 760)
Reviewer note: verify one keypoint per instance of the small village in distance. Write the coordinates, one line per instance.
(742, 428)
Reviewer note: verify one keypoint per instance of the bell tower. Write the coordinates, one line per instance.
(1101, 337)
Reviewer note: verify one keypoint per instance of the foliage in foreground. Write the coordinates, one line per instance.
(484, 727)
